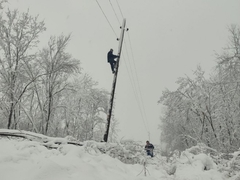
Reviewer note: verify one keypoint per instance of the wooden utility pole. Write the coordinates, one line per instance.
(105, 137)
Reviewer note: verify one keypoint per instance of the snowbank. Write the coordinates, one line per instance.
(29, 160)
(36, 160)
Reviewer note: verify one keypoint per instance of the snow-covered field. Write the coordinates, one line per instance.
(21, 159)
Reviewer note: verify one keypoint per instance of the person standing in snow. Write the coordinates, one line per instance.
(149, 148)
(111, 57)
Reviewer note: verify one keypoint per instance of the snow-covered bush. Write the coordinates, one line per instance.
(194, 163)
(201, 148)
(127, 151)
(229, 165)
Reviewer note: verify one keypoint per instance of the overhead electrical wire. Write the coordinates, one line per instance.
(114, 11)
(106, 18)
(136, 95)
(120, 9)
(130, 73)
(131, 76)
(136, 74)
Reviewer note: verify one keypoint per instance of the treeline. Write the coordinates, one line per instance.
(206, 110)
(46, 91)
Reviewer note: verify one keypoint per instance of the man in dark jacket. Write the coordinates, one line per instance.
(111, 57)
(149, 148)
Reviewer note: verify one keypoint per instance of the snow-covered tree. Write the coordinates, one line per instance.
(227, 81)
(85, 108)
(207, 111)
(18, 36)
(56, 65)
(45, 91)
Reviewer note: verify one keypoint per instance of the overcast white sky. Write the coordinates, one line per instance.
(166, 40)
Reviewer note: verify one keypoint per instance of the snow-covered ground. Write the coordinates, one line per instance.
(21, 159)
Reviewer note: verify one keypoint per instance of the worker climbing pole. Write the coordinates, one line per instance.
(105, 137)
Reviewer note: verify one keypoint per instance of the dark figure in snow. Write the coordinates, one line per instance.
(149, 148)
(111, 57)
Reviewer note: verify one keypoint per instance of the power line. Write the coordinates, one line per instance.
(120, 9)
(106, 18)
(136, 75)
(143, 113)
(137, 87)
(133, 84)
(136, 96)
(114, 12)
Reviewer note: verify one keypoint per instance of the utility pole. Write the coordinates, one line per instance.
(105, 137)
